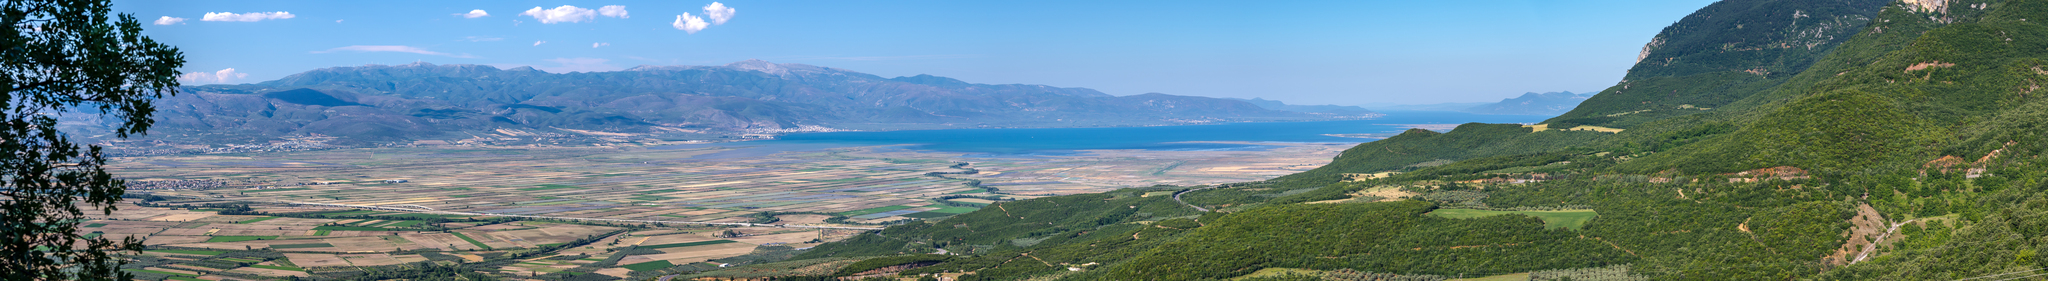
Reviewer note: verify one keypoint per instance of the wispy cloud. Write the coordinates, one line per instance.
(616, 11)
(247, 17)
(167, 20)
(481, 39)
(478, 13)
(600, 44)
(567, 13)
(689, 23)
(718, 12)
(537, 43)
(391, 48)
(223, 76)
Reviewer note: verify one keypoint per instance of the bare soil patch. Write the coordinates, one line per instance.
(693, 254)
(790, 238)
(312, 260)
(1865, 227)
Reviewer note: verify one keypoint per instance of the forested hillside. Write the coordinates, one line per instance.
(1762, 140)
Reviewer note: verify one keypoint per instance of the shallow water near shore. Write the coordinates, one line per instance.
(1075, 141)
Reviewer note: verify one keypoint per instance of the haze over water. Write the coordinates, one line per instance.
(1070, 141)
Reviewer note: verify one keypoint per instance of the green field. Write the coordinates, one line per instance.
(189, 252)
(471, 240)
(549, 186)
(322, 232)
(257, 219)
(927, 215)
(355, 228)
(279, 189)
(278, 267)
(646, 266)
(1573, 219)
(159, 272)
(296, 246)
(349, 213)
(96, 225)
(402, 223)
(955, 210)
(241, 260)
(182, 278)
(873, 210)
(218, 239)
(679, 245)
(1503, 277)
(424, 216)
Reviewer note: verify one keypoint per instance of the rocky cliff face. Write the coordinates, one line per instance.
(1723, 53)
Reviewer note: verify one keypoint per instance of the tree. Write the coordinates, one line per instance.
(68, 57)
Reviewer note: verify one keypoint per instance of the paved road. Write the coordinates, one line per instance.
(1176, 198)
(383, 208)
(1880, 238)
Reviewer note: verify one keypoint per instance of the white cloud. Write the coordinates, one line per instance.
(481, 39)
(718, 12)
(615, 11)
(248, 16)
(565, 13)
(391, 48)
(223, 76)
(600, 44)
(537, 43)
(689, 23)
(167, 20)
(474, 14)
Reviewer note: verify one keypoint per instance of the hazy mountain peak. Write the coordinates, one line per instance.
(778, 69)
(928, 79)
(1321, 109)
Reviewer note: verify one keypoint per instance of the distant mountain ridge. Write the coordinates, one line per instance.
(1334, 110)
(383, 103)
(1532, 103)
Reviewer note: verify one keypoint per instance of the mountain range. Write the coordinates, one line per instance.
(1334, 110)
(396, 103)
(1532, 103)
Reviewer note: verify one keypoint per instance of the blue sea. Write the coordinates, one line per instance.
(1070, 141)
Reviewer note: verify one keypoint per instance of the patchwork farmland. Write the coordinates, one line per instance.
(556, 213)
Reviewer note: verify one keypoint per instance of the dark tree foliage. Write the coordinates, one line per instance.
(68, 57)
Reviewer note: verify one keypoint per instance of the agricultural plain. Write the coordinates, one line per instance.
(627, 212)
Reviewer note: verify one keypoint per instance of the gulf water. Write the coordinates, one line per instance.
(1070, 141)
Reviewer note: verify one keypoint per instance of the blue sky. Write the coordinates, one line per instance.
(1303, 52)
